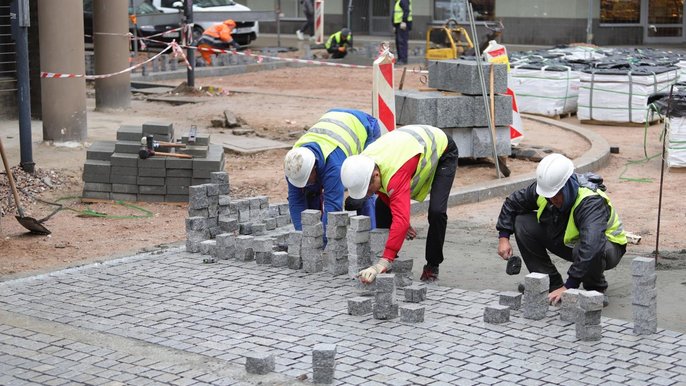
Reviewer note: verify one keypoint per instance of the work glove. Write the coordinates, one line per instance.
(403, 26)
(368, 275)
(341, 49)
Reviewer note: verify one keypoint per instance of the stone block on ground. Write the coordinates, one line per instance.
(411, 313)
(259, 363)
(359, 306)
(511, 299)
(496, 314)
(415, 293)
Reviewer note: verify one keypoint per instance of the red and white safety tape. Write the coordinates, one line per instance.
(174, 46)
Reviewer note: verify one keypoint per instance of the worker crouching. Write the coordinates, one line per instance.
(218, 36)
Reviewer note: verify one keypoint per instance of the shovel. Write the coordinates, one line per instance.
(33, 225)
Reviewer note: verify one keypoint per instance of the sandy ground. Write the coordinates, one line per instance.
(280, 104)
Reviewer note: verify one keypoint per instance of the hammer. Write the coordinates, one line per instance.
(155, 144)
(147, 153)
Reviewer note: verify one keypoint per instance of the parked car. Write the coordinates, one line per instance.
(144, 8)
(245, 32)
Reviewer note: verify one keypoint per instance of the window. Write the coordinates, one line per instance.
(484, 10)
(620, 11)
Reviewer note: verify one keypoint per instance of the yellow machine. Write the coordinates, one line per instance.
(448, 41)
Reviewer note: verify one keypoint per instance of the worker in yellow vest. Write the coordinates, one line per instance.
(569, 215)
(338, 43)
(401, 165)
(402, 25)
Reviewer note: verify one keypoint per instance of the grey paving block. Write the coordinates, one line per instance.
(496, 314)
(590, 300)
(280, 259)
(360, 223)
(587, 332)
(411, 313)
(263, 258)
(283, 220)
(200, 181)
(124, 160)
(124, 171)
(416, 107)
(259, 363)
(262, 244)
(569, 307)
(385, 311)
(193, 246)
(207, 247)
(415, 293)
(645, 327)
(200, 139)
(385, 283)
(357, 237)
(511, 299)
(644, 297)
(315, 230)
(244, 251)
(100, 151)
(96, 171)
(245, 228)
(338, 219)
(536, 283)
(129, 133)
(456, 111)
(196, 223)
(462, 76)
(644, 312)
(270, 223)
(324, 355)
(310, 217)
(145, 172)
(180, 173)
(226, 246)
(228, 224)
(221, 179)
(124, 179)
(642, 266)
(152, 163)
(359, 306)
(150, 180)
(589, 317)
(644, 281)
(503, 111)
(294, 261)
(96, 195)
(312, 242)
(197, 151)
(179, 163)
(402, 265)
(178, 190)
(159, 128)
(127, 147)
(97, 187)
(148, 189)
(323, 375)
(123, 196)
(482, 144)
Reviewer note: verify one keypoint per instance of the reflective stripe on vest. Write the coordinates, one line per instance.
(336, 130)
(398, 12)
(392, 150)
(614, 231)
(336, 36)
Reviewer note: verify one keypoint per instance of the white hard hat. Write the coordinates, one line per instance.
(552, 173)
(356, 173)
(298, 166)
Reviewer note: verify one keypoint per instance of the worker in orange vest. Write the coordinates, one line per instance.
(219, 37)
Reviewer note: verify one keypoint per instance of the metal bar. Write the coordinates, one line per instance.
(484, 92)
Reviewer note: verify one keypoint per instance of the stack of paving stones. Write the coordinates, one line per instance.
(644, 295)
(323, 363)
(114, 170)
(588, 326)
(312, 247)
(294, 249)
(336, 251)
(385, 303)
(535, 299)
(569, 307)
(215, 221)
(359, 248)
(458, 106)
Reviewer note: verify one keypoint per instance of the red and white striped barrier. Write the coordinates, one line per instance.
(517, 126)
(319, 21)
(383, 94)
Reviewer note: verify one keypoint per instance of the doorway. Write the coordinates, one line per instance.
(380, 23)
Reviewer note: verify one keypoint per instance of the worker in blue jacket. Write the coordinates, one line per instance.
(313, 166)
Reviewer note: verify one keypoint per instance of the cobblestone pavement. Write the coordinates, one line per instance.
(166, 318)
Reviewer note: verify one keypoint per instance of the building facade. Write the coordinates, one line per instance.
(531, 22)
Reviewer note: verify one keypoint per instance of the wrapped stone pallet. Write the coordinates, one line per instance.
(549, 90)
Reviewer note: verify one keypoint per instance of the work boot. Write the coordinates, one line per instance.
(429, 274)
(300, 35)
(606, 300)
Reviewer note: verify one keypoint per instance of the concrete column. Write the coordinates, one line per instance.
(111, 43)
(63, 101)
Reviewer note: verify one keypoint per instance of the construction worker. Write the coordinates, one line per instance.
(405, 164)
(218, 37)
(402, 25)
(338, 43)
(313, 166)
(569, 215)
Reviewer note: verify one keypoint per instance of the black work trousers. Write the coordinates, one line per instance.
(534, 242)
(438, 205)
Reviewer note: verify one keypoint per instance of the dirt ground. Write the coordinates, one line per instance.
(280, 104)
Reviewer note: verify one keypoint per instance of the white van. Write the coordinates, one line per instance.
(245, 32)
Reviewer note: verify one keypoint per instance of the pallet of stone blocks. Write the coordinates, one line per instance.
(458, 108)
(115, 171)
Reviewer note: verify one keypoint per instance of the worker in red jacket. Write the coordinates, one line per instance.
(219, 37)
(401, 165)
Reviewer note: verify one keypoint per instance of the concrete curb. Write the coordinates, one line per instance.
(595, 158)
(201, 72)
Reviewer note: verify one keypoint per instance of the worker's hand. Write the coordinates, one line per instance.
(368, 275)
(504, 248)
(403, 26)
(341, 49)
(556, 296)
(411, 233)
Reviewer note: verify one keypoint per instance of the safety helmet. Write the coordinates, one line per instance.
(345, 33)
(298, 165)
(356, 173)
(552, 173)
(230, 22)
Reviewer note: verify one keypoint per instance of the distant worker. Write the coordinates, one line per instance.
(338, 43)
(308, 26)
(402, 25)
(569, 215)
(218, 37)
(403, 165)
(313, 166)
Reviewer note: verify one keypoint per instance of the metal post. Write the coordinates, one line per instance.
(350, 18)
(278, 23)
(23, 84)
(589, 24)
(484, 93)
(190, 52)
(135, 31)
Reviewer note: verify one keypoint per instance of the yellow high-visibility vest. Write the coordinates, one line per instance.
(398, 13)
(336, 129)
